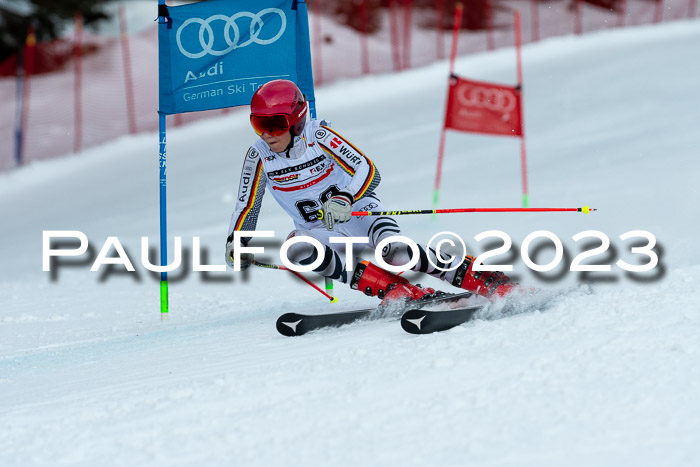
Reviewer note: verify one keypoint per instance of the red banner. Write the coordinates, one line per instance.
(481, 107)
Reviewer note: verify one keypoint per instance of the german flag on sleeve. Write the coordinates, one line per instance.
(351, 160)
(253, 196)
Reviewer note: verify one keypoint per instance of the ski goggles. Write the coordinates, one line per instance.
(274, 125)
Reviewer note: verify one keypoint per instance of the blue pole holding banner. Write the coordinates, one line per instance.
(163, 220)
(214, 55)
(18, 115)
(162, 19)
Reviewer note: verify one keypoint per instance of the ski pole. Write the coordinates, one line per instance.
(584, 210)
(284, 268)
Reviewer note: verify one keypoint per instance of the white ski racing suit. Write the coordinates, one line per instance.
(320, 164)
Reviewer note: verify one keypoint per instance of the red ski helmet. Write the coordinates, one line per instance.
(277, 107)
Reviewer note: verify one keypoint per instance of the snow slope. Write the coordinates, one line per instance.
(89, 375)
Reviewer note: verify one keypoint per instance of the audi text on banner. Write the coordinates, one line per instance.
(216, 54)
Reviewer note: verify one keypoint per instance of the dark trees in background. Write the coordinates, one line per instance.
(49, 17)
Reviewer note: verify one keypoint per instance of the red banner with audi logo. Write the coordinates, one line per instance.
(481, 107)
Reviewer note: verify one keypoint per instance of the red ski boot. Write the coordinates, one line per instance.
(489, 284)
(390, 288)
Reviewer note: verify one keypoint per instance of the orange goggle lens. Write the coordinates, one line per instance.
(275, 125)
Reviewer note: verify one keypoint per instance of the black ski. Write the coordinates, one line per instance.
(297, 324)
(419, 321)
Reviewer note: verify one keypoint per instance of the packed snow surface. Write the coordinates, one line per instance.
(608, 375)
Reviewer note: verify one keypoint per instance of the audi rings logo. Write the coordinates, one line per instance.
(497, 100)
(207, 34)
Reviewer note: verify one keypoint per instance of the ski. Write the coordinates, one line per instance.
(420, 321)
(297, 324)
(417, 321)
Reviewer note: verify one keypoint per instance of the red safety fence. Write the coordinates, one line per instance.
(86, 89)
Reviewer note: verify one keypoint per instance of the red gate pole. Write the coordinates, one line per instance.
(407, 30)
(453, 56)
(659, 11)
(318, 40)
(535, 16)
(395, 40)
(578, 25)
(490, 42)
(523, 153)
(621, 14)
(128, 79)
(78, 83)
(439, 13)
(692, 8)
(364, 47)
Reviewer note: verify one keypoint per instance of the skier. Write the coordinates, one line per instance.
(308, 166)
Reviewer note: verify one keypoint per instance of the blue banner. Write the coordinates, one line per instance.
(216, 54)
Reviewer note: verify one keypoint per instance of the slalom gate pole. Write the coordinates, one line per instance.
(284, 268)
(519, 65)
(163, 197)
(584, 210)
(439, 14)
(23, 86)
(128, 77)
(394, 34)
(457, 24)
(328, 281)
(18, 111)
(318, 59)
(78, 83)
(163, 220)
